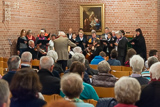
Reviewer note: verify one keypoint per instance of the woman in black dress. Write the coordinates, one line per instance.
(138, 43)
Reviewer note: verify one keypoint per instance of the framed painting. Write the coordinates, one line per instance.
(92, 18)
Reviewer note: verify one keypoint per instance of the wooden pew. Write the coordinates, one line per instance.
(116, 68)
(126, 68)
(5, 59)
(93, 66)
(120, 74)
(104, 91)
(35, 62)
(49, 98)
(91, 101)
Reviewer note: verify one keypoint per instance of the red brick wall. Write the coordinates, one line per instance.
(27, 14)
(119, 14)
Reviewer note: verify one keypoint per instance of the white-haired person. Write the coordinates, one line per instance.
(127, 92)
(137, 65)
(50, 83)
(31, 49)
(72, 86)
(61, 47)
(26, 59)
(41, 45)
(150, 94)
(104, 78)
(4, 94)
(88, 91)
(121, 47)
(151, 60)
(57, 69)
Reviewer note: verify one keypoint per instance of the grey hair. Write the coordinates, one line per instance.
(77, 49)
(78, 57)
(46, 62)
(127, 85)
(155, 71)
(152, 60)
(26, 57)
(14, 62)
(61, 33)
(53, 54)
(119, 33)
(30, 41)
(103, 67)
(137, 63)
(4, 92)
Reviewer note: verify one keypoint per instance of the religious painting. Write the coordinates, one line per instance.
(92, 18)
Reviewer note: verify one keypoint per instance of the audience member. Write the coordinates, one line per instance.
(130, 53)
(88, 91)
(61, 47)
(25, 88)
(53, 54)
(21, 43)
(152, 52)
(4, 94)
(112, 61)
(150, 94)
(104, 78)
(30, 36)
(13, 65)
(72, 86)
(50, 83)
(151, 61)
(61, 103)
(137, 64)
(31, 48)
(69, 34)
(26, 59)
(97, 59)
(127, 92)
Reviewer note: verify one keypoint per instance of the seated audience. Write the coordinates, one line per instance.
(127, 92)
(112, 61)
(97, 59)
(50, 83)
(72, 86)
(152, 52)
(130, 53)
(53, 54)
(104, 78)
(4, 94)
(25, 88)
(13, 66)
(61, 103)
(151, 61)
(26, 59)
(88, 91)
(21, 43)
(31, 48)
(137, 64)
(80, 58)
(150, 94)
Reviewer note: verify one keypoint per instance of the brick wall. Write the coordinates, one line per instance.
(26, 14)
(119, 14)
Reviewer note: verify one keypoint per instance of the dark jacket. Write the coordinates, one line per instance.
(33, 52)
(140, 46)
(96, 60)
(80, 43)
(8, 77)
(103, 80)
(20, 42)
(33, 102)
(122, 50)
(114, 62)
(142, 80)
(106, 102)
(50, 83)
(150, 95)
(97, 51)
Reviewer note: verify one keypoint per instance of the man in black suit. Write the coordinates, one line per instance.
(50, 83)
(81, 40)
(69, 34)
(105, 35)
(32, 50)
(13, 66)
(121, 47)
(26, 59)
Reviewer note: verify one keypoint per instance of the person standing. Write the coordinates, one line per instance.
(139, 44)
(61, 47)
(69, 35)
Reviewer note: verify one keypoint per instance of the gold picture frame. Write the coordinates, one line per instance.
(92, 17)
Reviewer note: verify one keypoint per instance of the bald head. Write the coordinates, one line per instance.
(70, 31)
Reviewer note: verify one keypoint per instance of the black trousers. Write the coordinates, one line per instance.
(63, 64)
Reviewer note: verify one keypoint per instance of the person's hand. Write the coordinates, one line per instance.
(47, 44)
(116, 44)
(18, 52)
(44, 53)
(25, 42)
(104, 43)
(111, 45)
(133, 43)
(92, 47)
(40, 44)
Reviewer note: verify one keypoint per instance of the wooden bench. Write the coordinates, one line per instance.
(49, 98)
(35, 63)
(91, 101)
(120, 74)
(126, 68)
(93, 66)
